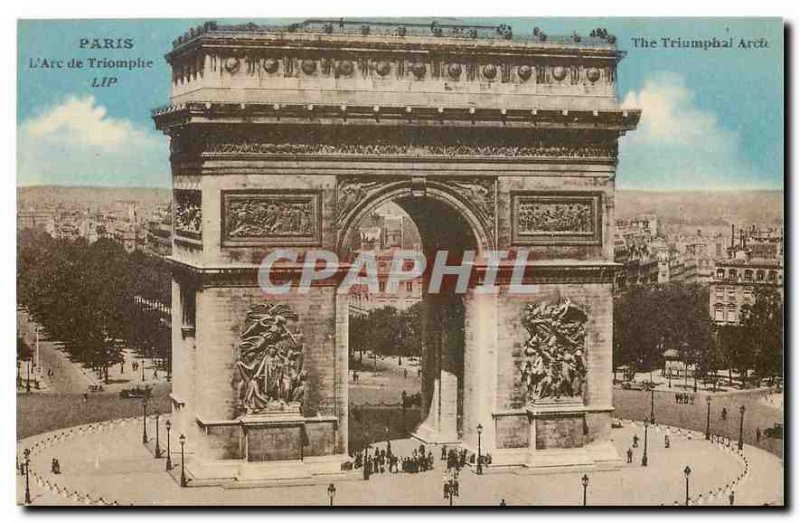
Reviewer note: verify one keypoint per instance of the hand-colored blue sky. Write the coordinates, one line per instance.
(712, 119)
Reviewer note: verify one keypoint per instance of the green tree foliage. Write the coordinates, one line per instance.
(387, 331)
(83, 295)
(762, 331)
(651, 320)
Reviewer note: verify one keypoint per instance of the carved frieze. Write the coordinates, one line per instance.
(271, 217)
(416, 143)
(552, 364)
(408, 68)
(187, 213)
(541, 218)
(270, 377)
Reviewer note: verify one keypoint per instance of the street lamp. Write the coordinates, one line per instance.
(182, 440)
(144, 420)
(27, 454)
(585, 482)
(741, 427)
(687, 471)
(331, 492)
(708, 417)
(480, 465)
(644, 455)
(158, 448)
(169, 453)
(652, 406)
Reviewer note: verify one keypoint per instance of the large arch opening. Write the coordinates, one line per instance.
(416, 388)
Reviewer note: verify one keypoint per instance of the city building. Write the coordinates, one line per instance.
(737, 278)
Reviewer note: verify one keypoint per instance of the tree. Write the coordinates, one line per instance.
(762, 329)
(650, 320)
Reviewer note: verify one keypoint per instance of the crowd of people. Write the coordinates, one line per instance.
(421, 459)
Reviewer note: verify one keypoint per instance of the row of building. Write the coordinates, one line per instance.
(732, 264)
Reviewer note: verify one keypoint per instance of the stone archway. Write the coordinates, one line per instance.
(282, 138)
(446, 221)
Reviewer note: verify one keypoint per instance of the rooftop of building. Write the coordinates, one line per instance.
(401, 28)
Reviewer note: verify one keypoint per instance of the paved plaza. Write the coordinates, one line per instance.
(106, 464)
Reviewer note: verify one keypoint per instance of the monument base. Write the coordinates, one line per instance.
(242, 474)
(428, 435)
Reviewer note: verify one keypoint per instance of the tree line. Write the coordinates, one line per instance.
(386, 331)
(85, 295)
(651, 320)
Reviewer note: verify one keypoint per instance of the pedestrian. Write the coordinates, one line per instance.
(666, 441)
(630, 455)
(635, 441)
(444, 451)
(731, 498)
(758, 435)
(405, 373)
(85, 397)
(724, 413)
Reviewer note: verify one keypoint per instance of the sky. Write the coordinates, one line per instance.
(711, 119)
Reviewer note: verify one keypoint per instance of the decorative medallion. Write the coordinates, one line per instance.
(383, 68)
(556, 218)
(232, 65)
(271, 217)
(345, 68)
(269, 362)
(308, 66)
(489, 71)
(553, 364)
(559, 73)
(593, 74)
(187, 213)
(524, 72)
(418, 68)
(454, 70)
(271, 65)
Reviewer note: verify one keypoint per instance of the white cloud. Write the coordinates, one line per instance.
(78, 143)
(679, 145)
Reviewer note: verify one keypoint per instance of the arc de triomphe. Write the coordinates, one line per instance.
(287, 136)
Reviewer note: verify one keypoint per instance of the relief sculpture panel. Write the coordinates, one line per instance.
(188, 215)
(270, 375)
(291, 218)
(556, 219)
(552, 364)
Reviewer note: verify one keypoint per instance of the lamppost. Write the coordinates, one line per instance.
(158, 448)
(169, 453)
(644, 455)
(366, 447)
(144, 420)
(708, 417)
(741, 427)
(652, 406)
(585, 482)
(28, 383)
(687, 471)
(480, 465)
(142, 364)
(331, 492)
(182, 440)
(27, 454)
